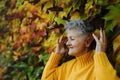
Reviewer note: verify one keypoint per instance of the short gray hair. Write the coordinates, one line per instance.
(81, 26)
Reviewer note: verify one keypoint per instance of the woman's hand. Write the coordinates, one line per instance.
(101, 42)
(60, 46)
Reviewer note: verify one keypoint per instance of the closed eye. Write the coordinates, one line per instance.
(71, 38)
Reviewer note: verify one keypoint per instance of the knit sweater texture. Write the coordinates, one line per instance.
(89, 66)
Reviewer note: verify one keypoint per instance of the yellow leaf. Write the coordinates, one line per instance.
(40, 56)
(27, 6)
(17, 53)
(43, 15)
(97, 32)
(29, 14)
(51, 16)
(8, 38)
(51, 41)
(15, 37)
(40, 25)
(65, 2)
(48, 17)
(75, 15)
(15, 57)
(88, 6)
(20, 8)
(95, 1)
(65, 12)
(48, 5)
(2, 70)
(6, 53)
(62, 14)
(43, 1)
(116, 43)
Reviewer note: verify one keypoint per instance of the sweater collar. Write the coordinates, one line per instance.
(85, 58)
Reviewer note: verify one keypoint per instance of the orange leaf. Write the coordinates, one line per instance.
(35, 49)
(2, 70)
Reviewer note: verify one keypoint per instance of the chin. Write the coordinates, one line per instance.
(71, 54)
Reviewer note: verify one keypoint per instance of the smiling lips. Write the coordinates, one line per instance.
(70, 47)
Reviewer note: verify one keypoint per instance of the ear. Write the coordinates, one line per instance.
(89, 41)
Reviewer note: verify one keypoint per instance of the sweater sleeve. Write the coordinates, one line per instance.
(49, 72)
(103, 68)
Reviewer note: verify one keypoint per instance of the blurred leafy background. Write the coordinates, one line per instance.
(30, 28)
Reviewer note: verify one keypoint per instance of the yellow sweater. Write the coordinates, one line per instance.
(85, 67)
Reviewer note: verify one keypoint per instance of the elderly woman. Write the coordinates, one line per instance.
(88, 64)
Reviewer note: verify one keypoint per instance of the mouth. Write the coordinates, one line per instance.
(70, 47)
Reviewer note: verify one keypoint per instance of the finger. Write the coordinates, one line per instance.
(65, 40)
(95, 37)
(101, 35)
(60, 39)
(104, 36)
(57, 41)
(105, 39)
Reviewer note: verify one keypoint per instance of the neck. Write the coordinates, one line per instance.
(85, 59)
(82, 53)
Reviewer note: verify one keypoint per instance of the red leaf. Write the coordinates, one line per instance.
(41, 33)
(1, 48)
(49, 50)
(32, 26)
(16, 45)
(13, 16)
(32, 36)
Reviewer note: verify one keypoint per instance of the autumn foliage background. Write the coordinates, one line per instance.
(30, 28)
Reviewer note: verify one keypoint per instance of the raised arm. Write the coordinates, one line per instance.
(103, 68)
(51, 69)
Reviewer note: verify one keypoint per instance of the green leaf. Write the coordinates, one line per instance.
(3, 60)
(19, 3)
(22, 64)
(30, 69)
(110, 25)
(15, 77)
(38, 71)
(45, 57)
(60, 21)
(102, 2)
(22, 77)
(76, 4)
(114, 13)
(2, 4)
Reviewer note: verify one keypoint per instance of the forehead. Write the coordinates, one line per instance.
(73, 32)
(76, 34)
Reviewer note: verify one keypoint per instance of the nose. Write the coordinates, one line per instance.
(68, 43)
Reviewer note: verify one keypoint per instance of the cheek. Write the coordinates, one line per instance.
(79, 45)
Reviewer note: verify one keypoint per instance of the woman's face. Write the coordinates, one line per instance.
(76, 43)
